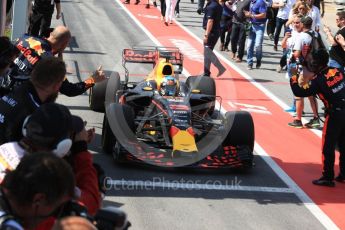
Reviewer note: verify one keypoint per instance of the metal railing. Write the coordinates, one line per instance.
(21, 9)
(16, 19)
(2, 16)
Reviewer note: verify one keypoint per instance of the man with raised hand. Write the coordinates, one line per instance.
(34, 49)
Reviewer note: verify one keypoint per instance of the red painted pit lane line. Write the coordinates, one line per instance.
(296, 151)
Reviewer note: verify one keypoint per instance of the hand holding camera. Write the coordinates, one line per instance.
(85, 135)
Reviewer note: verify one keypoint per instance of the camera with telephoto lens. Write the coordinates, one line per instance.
(108, 218)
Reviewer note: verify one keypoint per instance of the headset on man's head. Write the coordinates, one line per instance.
(60, 149)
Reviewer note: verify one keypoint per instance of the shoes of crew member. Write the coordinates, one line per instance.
(155, 4)
(221, 71)
(340, 178)
(137, 2)
(147, 6)
(199, 10)
(296, 123)
(313, 123)
(127, 2)
(323, 181)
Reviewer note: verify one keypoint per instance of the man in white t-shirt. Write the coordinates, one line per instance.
(290, 38)
(288, 43)
(300, 49)
(284, 7)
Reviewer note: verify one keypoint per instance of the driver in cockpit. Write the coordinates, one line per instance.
(169, 86)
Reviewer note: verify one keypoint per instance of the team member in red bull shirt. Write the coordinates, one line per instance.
(329, 84)
(43, 87)
(33, 49)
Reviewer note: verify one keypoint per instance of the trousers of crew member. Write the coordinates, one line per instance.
(333, 134)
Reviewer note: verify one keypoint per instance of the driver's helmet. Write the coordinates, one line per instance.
(169, 86)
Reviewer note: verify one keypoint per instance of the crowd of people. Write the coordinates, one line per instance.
(305, 58)
(313, 69)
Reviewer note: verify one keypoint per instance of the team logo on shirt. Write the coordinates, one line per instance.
(337, 77)
(331, 73)
(35, 45)
(27, 53)
(294, 79)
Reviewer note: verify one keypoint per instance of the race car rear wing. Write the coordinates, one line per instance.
(151, 55)
(139, 55)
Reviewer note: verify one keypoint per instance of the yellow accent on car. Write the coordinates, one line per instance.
(147, 88)
(196, 91)
(157, 73)
(183, 141)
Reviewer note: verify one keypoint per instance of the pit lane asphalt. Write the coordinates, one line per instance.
(101, 29)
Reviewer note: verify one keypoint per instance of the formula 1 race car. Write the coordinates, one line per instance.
(167, 122)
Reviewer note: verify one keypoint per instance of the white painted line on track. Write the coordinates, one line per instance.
(118, 184)
(308, 203)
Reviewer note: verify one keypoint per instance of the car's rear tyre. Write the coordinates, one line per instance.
(206, 85)
(241, 133)
(104, 90)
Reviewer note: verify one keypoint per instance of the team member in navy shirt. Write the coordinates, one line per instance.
(211, 25)
(257, 16)
(329, 84)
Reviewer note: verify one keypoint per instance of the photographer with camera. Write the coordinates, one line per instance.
(35, 49)
(52, 128)
(35, 191)
(39, 194)
(72, 223)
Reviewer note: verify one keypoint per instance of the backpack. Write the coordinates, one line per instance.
(314, 56)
